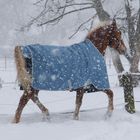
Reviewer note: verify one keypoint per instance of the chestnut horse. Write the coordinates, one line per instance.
(103, 36)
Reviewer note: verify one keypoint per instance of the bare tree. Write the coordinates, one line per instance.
(133, 27)
(55, 10)
(104, 16)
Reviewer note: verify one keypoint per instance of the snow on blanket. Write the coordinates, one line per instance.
(66, 67)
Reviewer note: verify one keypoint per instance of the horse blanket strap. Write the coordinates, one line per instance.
(66, 67)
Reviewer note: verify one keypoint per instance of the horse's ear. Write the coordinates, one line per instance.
(114, 22)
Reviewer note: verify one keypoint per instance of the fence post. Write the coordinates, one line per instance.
(128, 92)
(0, 83)
(5, 61)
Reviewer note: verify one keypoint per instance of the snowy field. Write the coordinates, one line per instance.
(91, 126)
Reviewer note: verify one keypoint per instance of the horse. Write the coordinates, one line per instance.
(99, 39)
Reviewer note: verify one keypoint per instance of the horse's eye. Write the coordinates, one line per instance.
(119, 32)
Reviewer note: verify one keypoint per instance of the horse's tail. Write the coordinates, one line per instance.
(22, 74)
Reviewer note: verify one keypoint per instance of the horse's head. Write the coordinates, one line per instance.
(107, 35)
(115, 38)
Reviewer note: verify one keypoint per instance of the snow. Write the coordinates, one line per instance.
(91, 126)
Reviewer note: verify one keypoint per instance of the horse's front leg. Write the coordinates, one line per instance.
(79, 97)
(36, 100)
(23, 101)
(110, 101)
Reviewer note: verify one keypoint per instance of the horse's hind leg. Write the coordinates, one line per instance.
(35, 99)
(110, 101)
(79, 97)
(33, 95)
(23, 101)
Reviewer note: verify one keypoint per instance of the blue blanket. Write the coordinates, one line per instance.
(66, 67)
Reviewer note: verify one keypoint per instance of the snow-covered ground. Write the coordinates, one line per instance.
(91, 126)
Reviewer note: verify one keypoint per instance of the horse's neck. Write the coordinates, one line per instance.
(100, 39)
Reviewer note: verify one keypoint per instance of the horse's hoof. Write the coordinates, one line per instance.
(108, 115)
(76, 118)
(15, 121)
(46, 116)
(46, 119)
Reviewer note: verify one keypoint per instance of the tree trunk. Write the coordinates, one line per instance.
(134, 69)
(128, 93)
(104, 16)
(134, 42)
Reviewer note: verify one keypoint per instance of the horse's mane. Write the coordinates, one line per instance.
(100, 25)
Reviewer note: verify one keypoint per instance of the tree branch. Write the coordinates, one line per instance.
(76, 4)
(131, 28)
(138, 25)
(81, 25)
(38, 2)
(69, 12)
